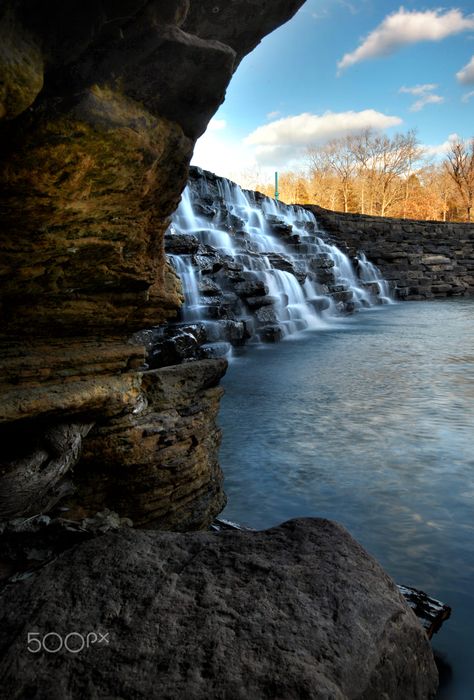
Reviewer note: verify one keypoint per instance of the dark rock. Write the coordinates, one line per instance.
(283, 262)
(203, 209)
(371, 287)
(173, 350)
(343, 295)
(257, 302)
(251, 288)
(208, 287)
(36, 467)
(298, 611)
(208, 263)
(212, 350)
(321, 262)
(266, 315)
(271, 334)
(181, 244)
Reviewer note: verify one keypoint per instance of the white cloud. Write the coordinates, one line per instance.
(216, 125)
(408, 27)
(426, 100)
(222, 154)
(273, 115)
(466, 74)
(419, 89)
(442, 148)
(425, 95)
(284, 142)
(309, 128)
(467, 96)
(279, 144)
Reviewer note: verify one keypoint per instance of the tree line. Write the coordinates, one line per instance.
(371, 173)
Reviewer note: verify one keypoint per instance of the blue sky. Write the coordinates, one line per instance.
(342, 65)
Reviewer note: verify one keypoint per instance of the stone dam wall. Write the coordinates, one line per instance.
(425, 259)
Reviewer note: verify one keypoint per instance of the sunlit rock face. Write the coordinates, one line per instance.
(100, 106)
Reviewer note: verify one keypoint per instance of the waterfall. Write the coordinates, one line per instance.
(370, 275)
(255, 269)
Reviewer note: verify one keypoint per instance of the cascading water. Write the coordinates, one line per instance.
(370, 275)
(255, 269)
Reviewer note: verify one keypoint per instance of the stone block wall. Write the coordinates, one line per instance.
(425, 259)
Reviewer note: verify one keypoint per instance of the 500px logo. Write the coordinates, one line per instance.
(74, 642)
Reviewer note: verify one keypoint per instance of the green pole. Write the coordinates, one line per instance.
(277, 194)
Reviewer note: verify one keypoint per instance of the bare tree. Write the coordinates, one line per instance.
(338, 157)
(459, 164)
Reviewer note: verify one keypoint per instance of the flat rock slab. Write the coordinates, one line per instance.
(299, 611)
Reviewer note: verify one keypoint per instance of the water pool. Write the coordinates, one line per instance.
(370, 423)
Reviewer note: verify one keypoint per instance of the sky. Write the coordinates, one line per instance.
(339, 66)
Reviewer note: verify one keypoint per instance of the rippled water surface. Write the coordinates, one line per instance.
(371, 424)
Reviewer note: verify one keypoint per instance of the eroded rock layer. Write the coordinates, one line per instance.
(100, 106)
(298, 611)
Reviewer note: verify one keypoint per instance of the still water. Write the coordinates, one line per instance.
(370, 423)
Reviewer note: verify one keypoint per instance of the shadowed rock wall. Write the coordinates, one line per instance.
(425, 259)
(100, 106)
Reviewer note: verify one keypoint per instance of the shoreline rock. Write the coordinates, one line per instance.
(297, 611)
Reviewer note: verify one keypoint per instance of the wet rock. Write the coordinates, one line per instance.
(251, 288)
(279, 228)
(181, 244)
(300, 610)
(174, 350)
(213, 350)
(321, 262)
(209, 262)
(199, 330)
(320, 304)
(204, 209)
(325, 277)
(235, 222)
(372, 287)
(266, 315)
(271, 334)
(208, 287)
(281, 262)
(257, 302)
(343, 295)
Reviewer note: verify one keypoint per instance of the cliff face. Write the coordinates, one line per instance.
(100, 106)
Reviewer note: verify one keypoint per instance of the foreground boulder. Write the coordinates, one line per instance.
(298, 611)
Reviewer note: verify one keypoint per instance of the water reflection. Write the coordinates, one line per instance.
(371, 424)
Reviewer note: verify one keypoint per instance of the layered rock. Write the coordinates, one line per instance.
(298, 611)
(101, 104)
(158, 465)
(424, 259)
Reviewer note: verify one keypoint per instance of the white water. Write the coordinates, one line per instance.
(245, 231)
